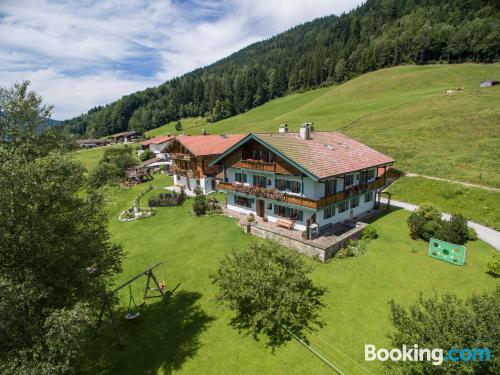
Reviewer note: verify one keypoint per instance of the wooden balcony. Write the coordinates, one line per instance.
(258, 165)
(179, 156)
(183, 172)
(302, 201)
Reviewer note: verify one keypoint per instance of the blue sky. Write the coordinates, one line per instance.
(82, 53)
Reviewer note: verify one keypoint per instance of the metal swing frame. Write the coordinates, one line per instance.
(107, 305)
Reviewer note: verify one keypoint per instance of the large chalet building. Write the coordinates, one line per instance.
(304, 178)
(191, 156)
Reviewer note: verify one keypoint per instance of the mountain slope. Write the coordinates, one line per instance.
(378, 34)
(402, 111)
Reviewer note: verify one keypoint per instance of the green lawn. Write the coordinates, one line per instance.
(191, 334)
(402, 111)
(91, 157)
(476, 204)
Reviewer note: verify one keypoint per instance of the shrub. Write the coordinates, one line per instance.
(416, 224)
(494, 264)
(429, 212)
(471, 234)
(369, 234)
(454, 230)
(251, 218)
(431, 229)
(123, 157)
(167, 200)
(353, 249)
(200, 205)
(146, 155)
(104, 173)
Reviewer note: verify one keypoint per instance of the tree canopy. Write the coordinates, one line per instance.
(56, 258)
(377, 34)
(445, 322)
(268, 288)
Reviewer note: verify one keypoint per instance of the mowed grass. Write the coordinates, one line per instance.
(479, 205)
(403, 112)
(191, 334)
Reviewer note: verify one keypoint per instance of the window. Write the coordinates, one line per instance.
(240, 177)
(288, 185)
(355, 202)
(331, 186)
(289, 213)
(368, 196)
(349, 179)
(363, 177)
(269, 206)
(263, 155)
(243, 201)
(328, 212)
(198, 182)
(260, 181)
(371, 173)
(342, 206)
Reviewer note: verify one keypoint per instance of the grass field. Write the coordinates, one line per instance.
(191, 334)
(481, 206)
(402, 111)
(91, 157)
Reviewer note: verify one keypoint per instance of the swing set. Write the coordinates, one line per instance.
(159, 287)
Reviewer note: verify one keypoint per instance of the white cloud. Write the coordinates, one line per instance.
(79, 54)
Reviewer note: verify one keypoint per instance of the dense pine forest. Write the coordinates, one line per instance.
(329, 50)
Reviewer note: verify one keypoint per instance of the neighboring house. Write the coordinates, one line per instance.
(489, 83)
(91, 143)
(158, 145)
(301, 178)
(125, 137)
(191, 156)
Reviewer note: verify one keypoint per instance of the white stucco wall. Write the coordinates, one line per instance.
(340, 217)
(205, 183)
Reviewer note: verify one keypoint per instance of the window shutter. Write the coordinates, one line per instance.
(244, 177)
(301, 215)
(254, 180)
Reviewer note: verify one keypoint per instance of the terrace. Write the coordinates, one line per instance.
(322, 246)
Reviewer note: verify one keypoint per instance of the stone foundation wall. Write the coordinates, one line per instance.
(303, 247)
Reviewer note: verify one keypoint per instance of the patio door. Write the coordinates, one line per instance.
(260, 208)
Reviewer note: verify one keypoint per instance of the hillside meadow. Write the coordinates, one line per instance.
(403, 112)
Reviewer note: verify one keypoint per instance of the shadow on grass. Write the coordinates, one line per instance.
(382, 213)
(163, 337)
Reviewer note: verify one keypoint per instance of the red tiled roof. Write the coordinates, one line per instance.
(158, 140)
(201, 145)
(326, 154)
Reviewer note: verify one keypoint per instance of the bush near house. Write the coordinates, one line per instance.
(167, 200)
(426, 223)
(200, 204)
(146, 155)
(494, 264)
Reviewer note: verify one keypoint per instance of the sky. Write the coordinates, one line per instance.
(82, 53)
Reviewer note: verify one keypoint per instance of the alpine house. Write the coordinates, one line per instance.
(301, 179)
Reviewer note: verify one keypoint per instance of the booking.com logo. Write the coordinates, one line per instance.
(416, 354)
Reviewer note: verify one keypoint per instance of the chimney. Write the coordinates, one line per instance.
(283, 128)
(305, 131)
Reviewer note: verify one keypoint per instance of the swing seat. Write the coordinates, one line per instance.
(132, 315)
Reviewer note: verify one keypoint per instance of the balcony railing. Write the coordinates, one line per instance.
(277, 195)
(179, 156)
(257, 165)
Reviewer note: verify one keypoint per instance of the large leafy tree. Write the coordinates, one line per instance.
(448, 322)
(268, 288)
(56, 259)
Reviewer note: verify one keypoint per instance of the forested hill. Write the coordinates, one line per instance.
(378, 34)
